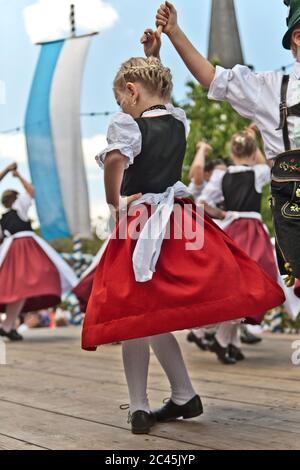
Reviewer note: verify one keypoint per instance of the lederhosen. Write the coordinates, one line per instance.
(286, 196)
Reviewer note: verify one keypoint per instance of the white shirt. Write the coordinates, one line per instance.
(213, 192)
(124, 133)
(22, 206)
(257, 96)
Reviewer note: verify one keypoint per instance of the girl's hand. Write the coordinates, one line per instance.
(151, 42)
(166, 18)
(252, 129)
(12, 167)
(124, 203)
(204, 146)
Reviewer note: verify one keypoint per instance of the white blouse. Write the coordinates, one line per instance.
(124, 133)
(212, 194)
(21, 206)
(256, 96)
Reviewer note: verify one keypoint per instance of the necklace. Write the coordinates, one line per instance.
(152, 108)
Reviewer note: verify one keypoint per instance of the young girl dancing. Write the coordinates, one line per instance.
(32, 275)
(148, 286)
(240, 189)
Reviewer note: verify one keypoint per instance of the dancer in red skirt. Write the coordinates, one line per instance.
(149, 285)
(32, 275)
(240, 188)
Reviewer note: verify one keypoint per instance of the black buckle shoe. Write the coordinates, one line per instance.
(171, 411)
(222, 353)
(249, 338)
(236, 353)
(202, 343)
(12, 335)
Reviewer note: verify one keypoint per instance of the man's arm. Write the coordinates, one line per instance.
(200, 67)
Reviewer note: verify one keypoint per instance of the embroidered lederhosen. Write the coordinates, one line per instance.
(286, 196)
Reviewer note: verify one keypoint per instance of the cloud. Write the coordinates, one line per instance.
(13, 147)
(91, 147)
(48, 20)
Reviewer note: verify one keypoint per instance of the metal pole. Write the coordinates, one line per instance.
(72, 21)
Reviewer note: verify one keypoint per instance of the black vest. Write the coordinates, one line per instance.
(159, 164)
(239, 192)
(14, 224)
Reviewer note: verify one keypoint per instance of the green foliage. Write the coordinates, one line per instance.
(215, 122)
(89, 246)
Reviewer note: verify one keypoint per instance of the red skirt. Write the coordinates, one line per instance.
(83, 290)
(189, 289)
(251, 236)
(28, 273)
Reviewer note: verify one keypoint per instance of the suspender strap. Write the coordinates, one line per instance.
(284, 112)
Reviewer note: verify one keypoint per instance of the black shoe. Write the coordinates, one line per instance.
(249, 338)
(13, 335)
(141, 422)
(202, 343)
(171, 411)
(222, 353)
(236, 353)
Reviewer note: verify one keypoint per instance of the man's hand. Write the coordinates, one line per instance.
(151, 42)
(166, 18)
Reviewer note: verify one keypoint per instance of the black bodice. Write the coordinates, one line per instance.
(14, 224)
(239, 192)
(159, 164)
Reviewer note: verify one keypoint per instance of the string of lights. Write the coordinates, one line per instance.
(18, 129)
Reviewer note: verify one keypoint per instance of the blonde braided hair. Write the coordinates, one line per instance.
(150, 72)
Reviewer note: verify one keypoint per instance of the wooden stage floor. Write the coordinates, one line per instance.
(55, 396)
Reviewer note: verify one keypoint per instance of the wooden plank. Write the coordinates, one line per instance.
(8, 443)
(249, 406)
(60, 432)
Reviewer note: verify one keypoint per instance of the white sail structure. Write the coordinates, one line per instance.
(53, 135)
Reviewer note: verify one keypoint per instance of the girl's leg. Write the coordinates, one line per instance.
(136, 357)
(12, 313)
(236, 336)
(167, 351)
(225, 333)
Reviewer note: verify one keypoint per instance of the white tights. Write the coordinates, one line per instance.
(136, 357)
(229, 333)
(12, 313)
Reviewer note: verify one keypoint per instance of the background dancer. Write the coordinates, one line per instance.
(32, 275)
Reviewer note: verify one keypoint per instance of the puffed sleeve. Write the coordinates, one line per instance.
(240, 87)
(262, 176)
(212, 194)
(22, 206)
(179, 114)
(124, 135)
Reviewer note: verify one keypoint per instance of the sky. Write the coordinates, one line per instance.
(121, 23)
